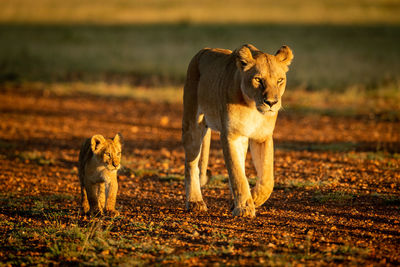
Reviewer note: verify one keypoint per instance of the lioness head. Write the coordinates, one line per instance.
(107, 151)
(263, 76)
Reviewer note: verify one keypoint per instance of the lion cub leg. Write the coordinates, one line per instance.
(93, 191)
(192, 138)
(84, 200)
(111, 197)
(235, 154)
(263, 159)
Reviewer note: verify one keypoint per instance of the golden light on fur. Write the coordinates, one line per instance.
(238, 94)
(99, 161)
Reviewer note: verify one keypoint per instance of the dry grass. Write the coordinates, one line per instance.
(353, 101)
(205, 11)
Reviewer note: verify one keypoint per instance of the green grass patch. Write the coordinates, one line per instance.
(137, 172)
(70, 243)
(332, 56)
(218, 181)
(300, 184)
(44, 205)
(337, 197)
(146, 172)
(35, 157)
(378, 156)
(172, 178)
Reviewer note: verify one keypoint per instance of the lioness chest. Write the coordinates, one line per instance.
(240, 120)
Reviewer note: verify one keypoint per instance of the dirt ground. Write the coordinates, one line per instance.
(336, 199)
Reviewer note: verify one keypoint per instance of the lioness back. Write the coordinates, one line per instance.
(99, 161)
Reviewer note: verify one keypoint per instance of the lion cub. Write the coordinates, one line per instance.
(99, 161)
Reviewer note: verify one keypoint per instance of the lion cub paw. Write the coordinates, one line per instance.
(196, 206)
(112, 213)
(95, 213)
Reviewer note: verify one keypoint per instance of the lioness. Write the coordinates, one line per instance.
(238, 94)
(99, 161)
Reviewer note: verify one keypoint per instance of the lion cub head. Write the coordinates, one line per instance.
(107, 151)
(263, 76)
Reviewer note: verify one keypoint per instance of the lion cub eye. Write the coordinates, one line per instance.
(280, 80)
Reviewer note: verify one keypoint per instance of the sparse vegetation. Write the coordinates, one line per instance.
(72, 69)
(337, 197)
(301, 184)
(36, 157)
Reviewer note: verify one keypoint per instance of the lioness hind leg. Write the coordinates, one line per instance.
(192, 137)
(205, 151)
(263, 159)
(193, 131)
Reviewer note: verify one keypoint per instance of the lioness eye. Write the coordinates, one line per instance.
(280, 80)
(257, 79)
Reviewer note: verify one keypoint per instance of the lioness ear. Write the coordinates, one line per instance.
(245, 59)
(97, 142)
(118, 140)
(284, 55)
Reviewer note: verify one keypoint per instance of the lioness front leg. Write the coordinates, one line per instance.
(234, 149)
(263, 159)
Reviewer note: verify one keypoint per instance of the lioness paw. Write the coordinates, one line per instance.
(244, 212)
(247, 210)
(196, 206)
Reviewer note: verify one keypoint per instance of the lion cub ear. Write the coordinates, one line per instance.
(97, 143)
(284, 55)
(245, 59)
(118, 140)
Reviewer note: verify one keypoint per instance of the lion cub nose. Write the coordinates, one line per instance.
(270, 102)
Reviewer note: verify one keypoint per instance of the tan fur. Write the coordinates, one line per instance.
(238, 94)
(99, 161)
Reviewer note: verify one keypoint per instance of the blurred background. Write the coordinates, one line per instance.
(119, 46)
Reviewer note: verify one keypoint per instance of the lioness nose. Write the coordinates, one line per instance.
(270, 102)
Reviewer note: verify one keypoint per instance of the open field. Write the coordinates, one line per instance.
(72, 69)
(336, 200)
